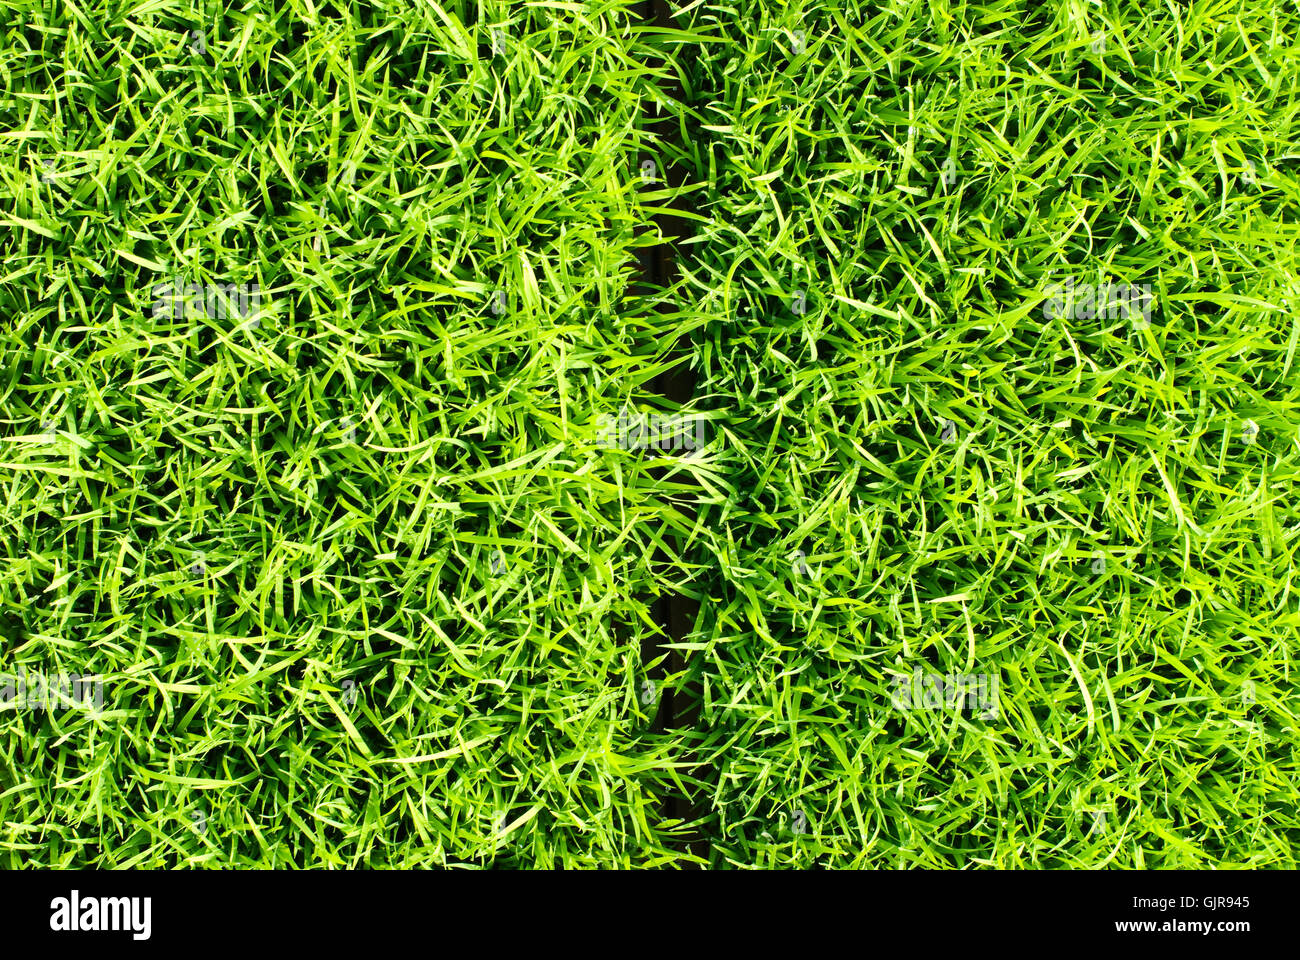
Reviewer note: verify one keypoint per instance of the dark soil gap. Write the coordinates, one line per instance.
(675, 613)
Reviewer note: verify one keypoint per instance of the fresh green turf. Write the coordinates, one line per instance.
(1069, 505)
(366, 589)
(331, 641)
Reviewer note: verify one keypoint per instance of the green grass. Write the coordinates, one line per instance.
(1094, 530)
(365, 589)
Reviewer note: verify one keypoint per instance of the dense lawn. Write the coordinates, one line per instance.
(371, 574)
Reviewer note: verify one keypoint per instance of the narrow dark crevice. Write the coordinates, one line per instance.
(676, 613)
